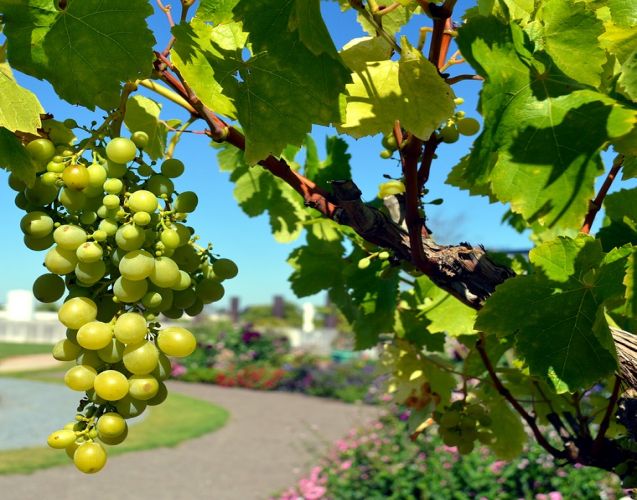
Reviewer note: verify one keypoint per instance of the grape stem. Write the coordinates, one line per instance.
(596, 204)
(455, 79)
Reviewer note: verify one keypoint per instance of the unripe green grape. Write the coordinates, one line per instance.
(89, 252)
(140, 139)
(173, 313)
(77, 291)
(458, 101)
(159, 184)
(96, 175)
(111, 385)
(130, 328)
(170, 238)
(152, 300)
(468, 126)
(141, 358)
(113, 186)
(61, 439)
(141, 218)
(117, 255)
(389, 142)
(485, 437)
(160, 397)
(165, 273)
(99, 235)
(109, 226)
(72, 336)
(71, 449)
(113, 352)
(136, 265)
(143, 387)
(49, 178)
(129, 291)
(163, 369)
(76, 176)
(76, 312)
(105, 213)
(53, 167)
(90, 273)
(390, 188)
(172, 167)
(36, 224)
(121, 150)
(183, 232)
(184, 281)
(130, 237)
(129, 407)
(48, 288)
(450, 419)
(111, 201)
(186, 202)
(90, 358)
(70, 123)
(40, 194)
(385, 154)
(95, 335)
(465, 447)
(142, 201)
(41, 150)
(65, 350)
(176, 341)
(73, 201)
(184, 298)
(88, 217)
(187, 259)
(364, 263)
(145, 170)
(449, 134)
(69, 237)
(60, 260)
(21, 202)
(111, 425)
(225, 269)
(383, 255)
(16, 183)
(195, 309)
(80, 377)
(115, 170)
(209, 290)
(90, 457)
(38, 244)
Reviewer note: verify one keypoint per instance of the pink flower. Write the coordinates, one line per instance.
(342, 445)
(177, 370)
(450, 449)
(346, 465)
(555, 495)
(497, 466)
(541, 496)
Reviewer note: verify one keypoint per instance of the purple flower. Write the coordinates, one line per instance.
(249, 336)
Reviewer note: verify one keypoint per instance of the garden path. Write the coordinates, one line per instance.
(269, 441)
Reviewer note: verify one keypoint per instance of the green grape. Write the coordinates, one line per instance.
(163, 369)
(111, 425)
(465, 447)
(143, 387)
(99, 235)
(364, 263)
(70, 123)
(160, 397)
(173, 313)
(80, 377)
(109, 226)
(391, 188)
(94, 335)
(129, 291)
(152, 300)
(386, 154)
(76, 312)
(141, 218)
(88, 217)
(113, 186)
(383, 255)
(142, 201)
(89, 252)
(184, 281)
(113, 352)
(136, 265)
(389, 142)
(186, 202)
(48, 288)
(449, 134)
(41, 150)
(111, 201)
(176, 341)
(209, 290)
(90, 273)
(195, 309)
(49, 178)
(69, 237)
(90, 457)
(183, 232)
(115, 170)
(172, 168)
(130, 328)
(60, 261)
(159, 184)
(121, 150)
(170, 238)
(140, 139)
(61, 439)
(40, 194)
(141, 358)
(130, 237)
(145, 170)
(225, 269)
(468, 126)
(450, 419)
(65, 350)
(72, 336)
(165, 272)
(73, 201)
(90, 358)
(96, 175)
(187, 259)
(21, 202)
(485, 437)
(111, 441)
(38, 244)
(53, 167)
(16, 183)
(111, 385)
(36, 224)
(184, 298)
(116, 256)
(129, 407)
(76, 176)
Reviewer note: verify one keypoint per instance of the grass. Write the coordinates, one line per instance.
(177, 419)
(8, 349)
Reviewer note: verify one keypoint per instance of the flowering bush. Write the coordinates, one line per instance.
(381, 462)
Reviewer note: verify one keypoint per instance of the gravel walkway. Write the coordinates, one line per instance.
(268, 442)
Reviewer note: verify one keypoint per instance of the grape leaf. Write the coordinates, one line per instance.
(14, 157)
(386, 91)
(409, 325)
(216, 11)
(85, 51)
(620, 36)
(317, 266)
(391, 22)
(622, 204)
(630, 282)
(628, 77)
(536, 150)
(20, 109)
(142, 114)
(507, 429)
(334, 167)
(629, 171)
(557, 312)
(307, 20)
(359, 51)
(568, 32)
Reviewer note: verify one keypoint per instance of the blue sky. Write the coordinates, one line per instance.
(248, 241)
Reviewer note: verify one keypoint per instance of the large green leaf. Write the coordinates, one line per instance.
(622, 204)
(620, 36)
(507, 428)
(86, 50)
(557, 312)
(142, 114)
(19, 107)
(628, 78)
(410, 90)
(334, 167)
(317, 266)
(630, 282)
(14, 157)
(216, 11)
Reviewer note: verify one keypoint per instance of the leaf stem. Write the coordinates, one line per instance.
(455, 79)
(168, 94)
(118, 118)
(603, 426)
(175, 138)
(596, 204)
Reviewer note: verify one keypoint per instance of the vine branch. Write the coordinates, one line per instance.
(603, 426)
(596, 204)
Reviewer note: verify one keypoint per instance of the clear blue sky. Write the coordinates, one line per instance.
(262, 261)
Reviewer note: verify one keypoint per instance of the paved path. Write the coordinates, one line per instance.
(266, 445)
(28, 362)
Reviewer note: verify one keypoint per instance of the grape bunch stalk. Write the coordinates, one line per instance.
(115, 234)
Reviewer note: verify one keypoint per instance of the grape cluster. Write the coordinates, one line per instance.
(116, 238)
(458, 124)
(462, 423)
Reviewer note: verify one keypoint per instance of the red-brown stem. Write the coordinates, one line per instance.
(427, 158)
(409, 158)
(603, 426)
(388, 9)
(459, 78)
(506, 394)
(440, 42)
(596, 204)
